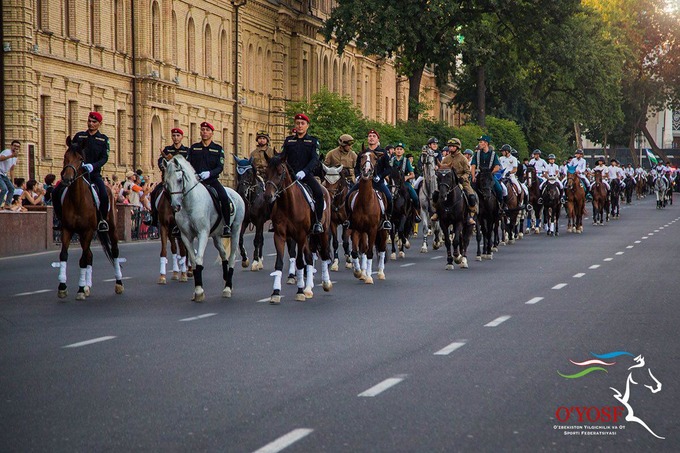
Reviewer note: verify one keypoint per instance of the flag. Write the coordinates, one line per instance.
(651, 157)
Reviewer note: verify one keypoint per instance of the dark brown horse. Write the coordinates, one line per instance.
(336, 181)
(366, 214)
(79, 216)
(251, 189)
(511, 221)
(533, 206)
(576, 201)
(166, 223)
(292, 218)
(600, 200)
(452, 211)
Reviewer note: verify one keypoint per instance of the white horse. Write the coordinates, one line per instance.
(660, 188)
(426, 189)
(197, 218)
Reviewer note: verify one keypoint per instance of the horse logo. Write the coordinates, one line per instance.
(635, 369)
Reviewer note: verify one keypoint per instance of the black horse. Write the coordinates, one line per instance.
(551, 208)
(452, 211)
(614, 197)
(489, 216)
(402, 213)
(629, 188)
(251, 189)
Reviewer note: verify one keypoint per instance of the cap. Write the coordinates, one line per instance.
(613, 160)
(484, 138)
(177, 130)
(399, 145)
(95, 116)
(373, 131)
(468, 151)
(445, 149)
(579, 151)
(302, 116)
(551, 156)
(261, 134)
(345, 139)
(453, 142)
(389, 147)
(537, 151)
(506, 147)
(432, 140)
(208, 125)
(130, 173)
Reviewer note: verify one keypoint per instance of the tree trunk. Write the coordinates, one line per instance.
(604, 148)
(652, 143)
(481, 96)
(414, 94)
(577, 133)
(633, 150)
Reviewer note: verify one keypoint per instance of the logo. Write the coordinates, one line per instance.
(639, 377)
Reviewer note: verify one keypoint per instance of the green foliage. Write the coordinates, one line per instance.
(506, 131)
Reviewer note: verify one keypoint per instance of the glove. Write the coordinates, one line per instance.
(300, 175)
(376, 178)
(204, 175)
(88, 167)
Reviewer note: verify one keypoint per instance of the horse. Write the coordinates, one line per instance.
(488, 218)
(600, 200)
(452, 211)
(365, 204)
(425, 191)
(79, 216)
(533, 206)
(552, 206)
(660, 188)
(198, 218)
(629, 188)
(292, 218)
(336, 181)
(669, 191)
(166, 222)
(576, 200)
(251, 190)
(614, 200)
(640, 187)
(511, 220)
(402, 215)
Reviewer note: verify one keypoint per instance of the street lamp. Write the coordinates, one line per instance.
(237, 4)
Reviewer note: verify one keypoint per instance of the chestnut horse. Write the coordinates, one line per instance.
(336, 181)
(166, 222)
(576, 200)
(600, 200)
(79, 216)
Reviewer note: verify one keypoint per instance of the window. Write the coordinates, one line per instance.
(305, 76)
(121, 138)
(69, 23)
(173, 34)
(117, 24)
(324, 80)
(72, 118)
(42, 17)
(95, 22)
(259, 66)
(45, 126)
(344, 89)
(155, 31)
(207, 52)
(249, 68)
(191, 49)
(224, 59)
(336, 84)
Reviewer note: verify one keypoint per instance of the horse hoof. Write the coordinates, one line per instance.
(175, 276)
(368, 280)
(80, 296)
(363, 275)
(464, 263)
(527, 231)
(457, 259)
(520, 235)
(260, 264)
(478, 258)
(407, 244)
(358, 274)
(198, 297)
(327, 286)
(393, 256)
(226, 292)
(490, 256)
(300, 297)
(449, 267)
(308, 293)
(511, 241)
(494, 249)
(381, 275)
(423, 249)
(62, 293)
(402, 255)
(502, 243)
(183, 278)
(119, 288)
(163, 281)
(245, 263)
(87, 291)
(537, 231)
(334, 267)
(190, 274)
(291, 280)
(436, 245)
(348, 266)
(275, 299)
(254, 267)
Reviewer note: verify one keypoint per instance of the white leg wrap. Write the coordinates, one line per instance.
(310, 276)
(300, 277)
(164, 261)
(369, 267)
(325, 276)
(116, 266)
(83, 277)
(552, 227)
(363, 261)
(62, 271)
(505, 190)
(291, 266)
(88, 275)
(182, 264)
(277, 279)
(381, 261)
(525, 189)
(175, 263)
(355, 263)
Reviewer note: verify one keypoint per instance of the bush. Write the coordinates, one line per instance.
(506, 131)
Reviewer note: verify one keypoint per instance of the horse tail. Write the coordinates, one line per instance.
(105, 241)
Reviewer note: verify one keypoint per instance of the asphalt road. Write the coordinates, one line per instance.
(427, 360)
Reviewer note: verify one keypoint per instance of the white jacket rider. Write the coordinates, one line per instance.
(580, 163)
(615, 173)
(538, 163)
(509, 164)
(552, 172)
(601, 167)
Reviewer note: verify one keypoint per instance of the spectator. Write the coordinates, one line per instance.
(49, 188)
(33, 194)
(8, 160)
(19, 187)
(131, 190)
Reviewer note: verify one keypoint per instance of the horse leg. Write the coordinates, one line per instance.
(242, 248)
(449, 245)
(164, 255)
(199, 293)
(259, 244)
(181, 261)
(370, 243)
(346, 247)
(381, 240)
(393, 256)
(336, 246)
(85, 258)
(291, 262)
(425, 225)
(279, 244)
(355, 253)
(300, 270)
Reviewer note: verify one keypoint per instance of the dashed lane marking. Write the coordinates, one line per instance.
(266, 299)
(194, 318)
(608, 259)
(285, 441)
(498, 321)
(619, 253)
(559, 286)
(271, 254)
(113, 279)
(630, 246)
(594, 266)
(29, 293)
(534, 300)
(645, 237)
(382, 386)
(450, 348)
(650, 234)
(437, 257)
(579, 275)
(408, 265)
(656, 231)
(637, 242)
(88, 342)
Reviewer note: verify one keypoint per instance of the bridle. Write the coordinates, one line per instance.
(68, 182)
(449, 187)
(181, 191)
(278, 189)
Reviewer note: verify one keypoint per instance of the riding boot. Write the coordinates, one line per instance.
(387, 225)
(416, 213)
(226, 231)
(318, 227)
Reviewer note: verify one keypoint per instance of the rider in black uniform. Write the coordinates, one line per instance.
(207, 158)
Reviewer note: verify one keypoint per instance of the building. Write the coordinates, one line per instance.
(151, 65)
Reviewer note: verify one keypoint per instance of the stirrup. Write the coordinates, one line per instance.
(103, 227)
(317, 228)
(540, 200)
(417, 218)
(346, 223)
(175, 232)
(226, 232)
(386, 225)
(56, 225)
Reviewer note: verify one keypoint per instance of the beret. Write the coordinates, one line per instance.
(177, 130)
(95, 116)
(207, 124)
(302, 116)
(373, 131)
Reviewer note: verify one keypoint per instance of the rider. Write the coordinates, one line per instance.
(604, 171)
(96, 148)
(460, 165)
(301, 151)
(552, 170)
(207, 158)
(538, 163)
(343, 155)
(261, 153)
(580, 168)
(382, 169)
(167, 153)
(615, 173)
(401, 162)
(432, 147)
(486, 160)
(510, 167)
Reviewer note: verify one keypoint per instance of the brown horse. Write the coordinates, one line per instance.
(600, 200)
(511, 221)
(533, 206)
(366, 215)
(79, 216)
(641, 187)
(336, 181)
(292, 218)
(576, 201)
(166, 223)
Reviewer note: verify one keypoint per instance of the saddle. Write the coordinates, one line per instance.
(355, 194)
(93, 191)
(218, 207)
(307, 192)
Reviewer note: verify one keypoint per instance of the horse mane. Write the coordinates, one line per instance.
(184, 164)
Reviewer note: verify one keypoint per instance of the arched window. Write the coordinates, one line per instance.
(260, 70)
(174, 38)
(336, 83)
(268, 78)
(207, 51)
(156, 139)
(249, 65)
(345, 87)
(95, 22)
(324, 72)
(224, 56)
(155, 31)
(191, 46)
(353, 84)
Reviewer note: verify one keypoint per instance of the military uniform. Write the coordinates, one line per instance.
(457, 162)
(487, 161)
(169, 150)
(339, 156)
(382, 169)
(172, 151)
(258, 157)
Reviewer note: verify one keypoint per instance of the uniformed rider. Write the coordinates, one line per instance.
(402, 163)
(207, 158)
(615, 173)
(301, 151)
(261, 153)
(460, 165)
(580, 165)
(604, 170)
(343, 156)
(486, 160)
(510, 166)
(552, 171)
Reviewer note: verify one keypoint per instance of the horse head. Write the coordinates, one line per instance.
(278, 176)
(73, 160)
(446, 182)
(332, 174)
(178, 175)
(367, 162)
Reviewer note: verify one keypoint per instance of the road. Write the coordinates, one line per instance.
(427, 360)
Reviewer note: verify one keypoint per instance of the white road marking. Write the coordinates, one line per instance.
(619, 253)
(594, 266)
(559, 286)
(113, 279)
(285, 441)
(408, 264)
(579, 275)
(533, 300)
(382, 386)
(656, 231)
(645, 237)
(496, 322)
(637, 242)
(88, 342)
(319, 284)
(33, 292)
(650, 234)
(450, 348)
(271, 254)
(608, 259)
(437, 257)
(630, 246)
(207, 315)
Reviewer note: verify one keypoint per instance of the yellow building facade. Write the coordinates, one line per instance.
(151, 65)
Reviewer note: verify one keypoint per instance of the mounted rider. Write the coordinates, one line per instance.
(402, 163)
(382, 169)
(95, 146)
(301, 151)
(207, 158)
(432, 147)
(459, 164)
(538, 163)
(551, 172)
(580, 165)
(486, 160)
(510, 166)
(343, 156)
(661, 171)
(604, 171)
(261, 154)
